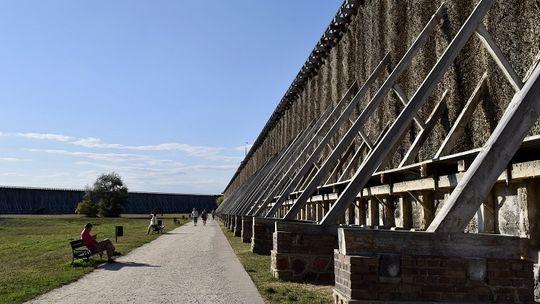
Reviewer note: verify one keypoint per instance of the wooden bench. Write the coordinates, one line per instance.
(78, 253)
(159, 227)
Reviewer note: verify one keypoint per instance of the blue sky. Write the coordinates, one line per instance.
(166, 93)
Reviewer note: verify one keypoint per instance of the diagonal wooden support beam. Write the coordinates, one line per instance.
(403, 121)
(285, 164)
(405, 100)
(471, 191)
(370, 108)
(365, 138)
(499, 58)
(423, 134)
(300, 161)
(280, 159)
(464, 117)
(349, 167)
(317, 153)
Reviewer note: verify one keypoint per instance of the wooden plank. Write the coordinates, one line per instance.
(423, 134)
(497, 55)
(404, 119)
(521, 114)
(358, 241)
(458, 128)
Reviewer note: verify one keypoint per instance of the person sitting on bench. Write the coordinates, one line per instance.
(153, 224)
(98, 247)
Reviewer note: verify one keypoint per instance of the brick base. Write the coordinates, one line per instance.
(247, 226)
(393, 277)
(303, 252)
(302, 267)
(261, 239)
(237, 225)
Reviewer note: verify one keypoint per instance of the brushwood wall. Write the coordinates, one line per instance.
(59, 201)
(390, 26)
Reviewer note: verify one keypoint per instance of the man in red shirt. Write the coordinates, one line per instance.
(95, 246)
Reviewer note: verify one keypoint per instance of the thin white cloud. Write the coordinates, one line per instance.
(205, 152)
(13, 159)
(92, 142)
(46, 136)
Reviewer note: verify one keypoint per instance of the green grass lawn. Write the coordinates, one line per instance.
(271, 289)
(35, 255)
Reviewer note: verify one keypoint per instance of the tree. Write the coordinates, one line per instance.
(87, 207)
(109, 194)
(219, 200)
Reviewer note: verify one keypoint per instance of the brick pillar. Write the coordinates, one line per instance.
(428, 208)
(261, 239)
(247, 226)
(238, 225)
(373, 212)
(303, 252)
(406, 211)
(361, 212)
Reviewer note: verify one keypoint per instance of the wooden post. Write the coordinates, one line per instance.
(406, 211)
(389, 208)
(361, 212)
(528, 204)
(428, 208)
(351, 215)
(373, 212)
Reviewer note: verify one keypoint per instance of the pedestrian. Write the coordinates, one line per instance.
(203, 216)
(213, 214)
(195, 216)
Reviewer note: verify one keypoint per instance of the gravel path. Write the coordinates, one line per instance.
(187, 265)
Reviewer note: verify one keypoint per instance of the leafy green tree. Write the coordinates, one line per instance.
(87, 207)
(219, 200)
(109, 193)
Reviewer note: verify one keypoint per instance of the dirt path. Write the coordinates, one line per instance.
(187, 265)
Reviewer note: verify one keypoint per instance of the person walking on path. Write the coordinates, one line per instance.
(98, 247)
(195, 216)
(204, 215)
(213, 214)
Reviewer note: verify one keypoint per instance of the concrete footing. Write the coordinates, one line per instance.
(303, 252)
(261, 239)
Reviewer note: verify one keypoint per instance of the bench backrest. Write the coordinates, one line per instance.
(76, 244)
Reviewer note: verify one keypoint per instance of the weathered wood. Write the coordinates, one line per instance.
(404, 119)
(357, 241)
(404, 100)
(291, 177)
(423, 134)
(497, 55)
(331, 133)
(458, 128)
(521, 114)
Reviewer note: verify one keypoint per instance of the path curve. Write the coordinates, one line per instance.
(187, 265)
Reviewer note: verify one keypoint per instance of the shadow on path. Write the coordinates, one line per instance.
(119, 265)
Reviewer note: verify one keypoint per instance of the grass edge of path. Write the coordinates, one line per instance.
(29, 273)
(271, 289)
